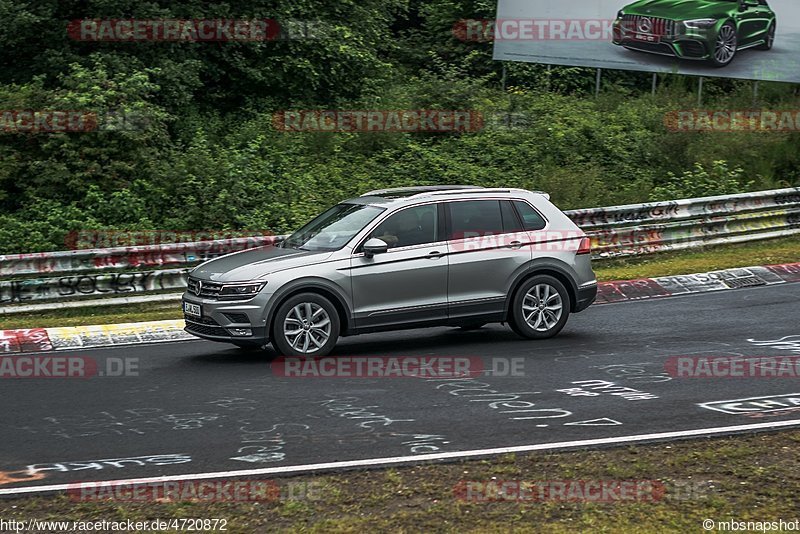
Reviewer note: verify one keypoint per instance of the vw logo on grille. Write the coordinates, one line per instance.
(645, 25)
(198, 287)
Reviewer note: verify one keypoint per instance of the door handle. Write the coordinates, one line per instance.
(514, 244)
(434, 255)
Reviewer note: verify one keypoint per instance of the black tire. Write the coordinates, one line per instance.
(540, 308)
(770, 38)
(727, 27)
(305, 301)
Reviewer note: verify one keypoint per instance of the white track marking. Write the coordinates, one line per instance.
(377, 462)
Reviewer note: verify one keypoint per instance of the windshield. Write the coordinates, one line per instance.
(334, 228)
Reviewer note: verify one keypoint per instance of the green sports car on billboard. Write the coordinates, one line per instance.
(710, 30)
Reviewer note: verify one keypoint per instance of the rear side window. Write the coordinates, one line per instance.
(475, 218)
(511, 222)
(531, 220)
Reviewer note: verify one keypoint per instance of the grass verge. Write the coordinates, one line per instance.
(124, 313)
(783, 250)
(770, 252)
(744, 478)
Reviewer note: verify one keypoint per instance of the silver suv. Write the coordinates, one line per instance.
(399, 258)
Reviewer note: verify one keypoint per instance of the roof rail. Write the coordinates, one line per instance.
(487, 190)
(419, 189)
(475, 190)
(435, 190)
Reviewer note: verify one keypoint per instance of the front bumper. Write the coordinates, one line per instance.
(228, 321)
(693, 45)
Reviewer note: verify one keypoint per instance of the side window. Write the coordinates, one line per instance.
(475, 218)
(511, 222)
(409, 227)
(531, 220)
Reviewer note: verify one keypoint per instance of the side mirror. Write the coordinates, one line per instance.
(375, 246)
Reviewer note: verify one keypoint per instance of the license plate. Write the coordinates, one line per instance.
(192, 309)
(647, 38)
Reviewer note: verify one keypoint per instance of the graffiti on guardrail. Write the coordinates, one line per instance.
(19, 291)
(645, 238)
(604, 216)
(74, 261)
(684, 209)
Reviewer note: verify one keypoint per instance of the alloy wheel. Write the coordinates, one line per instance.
(727, 43)
(307, 327)
(542, 307)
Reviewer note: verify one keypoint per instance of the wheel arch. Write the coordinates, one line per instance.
(317, 287)
(550, 268)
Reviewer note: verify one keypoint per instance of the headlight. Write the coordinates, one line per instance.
(699, 24)
(247, 289)
(620, 14)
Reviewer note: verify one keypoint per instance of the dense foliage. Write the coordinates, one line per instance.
(204, 154)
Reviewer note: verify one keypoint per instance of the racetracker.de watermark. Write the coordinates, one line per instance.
(28, 121)
(396, 121)
(378, 367)
(195, 491)
(537, 240)
(66, 367)
(590, 491)
(194, 30)
(733, 367)
(597, 491)
(728, 121)
(488, 30)
(92, 239)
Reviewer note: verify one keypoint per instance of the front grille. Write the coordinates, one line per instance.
(207, 289)
(649, 25)
(200, 320)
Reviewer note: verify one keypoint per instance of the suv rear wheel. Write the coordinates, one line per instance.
(306, 325)
(540, 308)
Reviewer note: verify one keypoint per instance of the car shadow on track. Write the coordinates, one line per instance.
(442, 341)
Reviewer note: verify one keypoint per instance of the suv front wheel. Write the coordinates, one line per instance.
(306, 325)
(540, 308)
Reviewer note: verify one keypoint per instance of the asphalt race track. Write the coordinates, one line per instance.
(198, 407)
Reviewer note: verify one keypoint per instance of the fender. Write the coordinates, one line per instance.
(297, 286)
(537, 265)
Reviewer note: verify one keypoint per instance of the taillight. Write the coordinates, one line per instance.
(586, 246)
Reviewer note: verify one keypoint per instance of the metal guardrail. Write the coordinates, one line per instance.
(679, 224)
(70, 277)
(150, 256)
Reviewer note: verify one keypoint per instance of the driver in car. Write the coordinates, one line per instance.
(400, 231)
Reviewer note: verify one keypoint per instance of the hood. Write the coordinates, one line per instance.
(256, 263)
(682, 9)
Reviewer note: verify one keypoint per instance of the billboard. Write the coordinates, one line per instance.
(747, 39)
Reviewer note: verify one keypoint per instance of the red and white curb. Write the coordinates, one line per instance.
(670, 286)
(77, 337)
